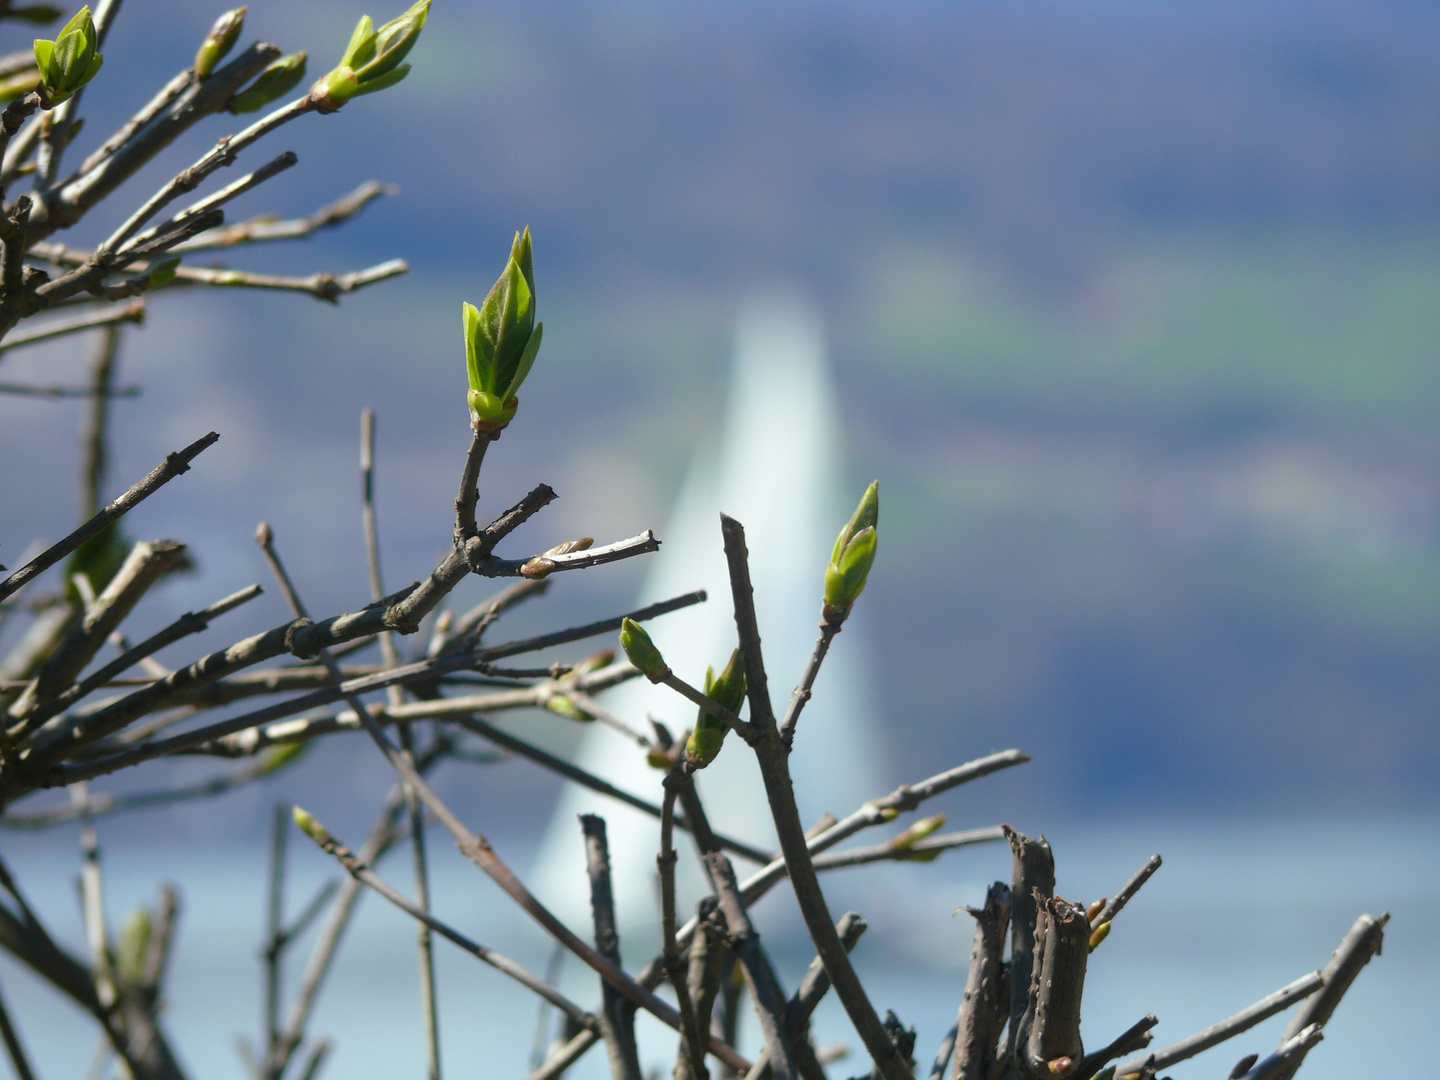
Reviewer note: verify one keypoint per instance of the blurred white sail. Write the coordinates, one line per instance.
(779, 470)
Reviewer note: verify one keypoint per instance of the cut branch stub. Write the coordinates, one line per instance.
(1050, 1031)
(1034, 874)
(983, 1012)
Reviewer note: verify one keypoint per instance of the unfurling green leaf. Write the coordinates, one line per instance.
(502, 340)
(642, 651)
(852, 558)
(372, 60)
(70, 61)
(219, 41)
(134, 945)
(709, 733)
(273, 83)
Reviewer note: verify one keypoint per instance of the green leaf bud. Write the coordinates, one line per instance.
(134, 945)
(278, 757)
(309, 826)
(563, 706)
(709, 733)
(219, 41)
(70, 61)
(602, 659)
(502, 340)
(373, 59)
(1099, 934)
(1094, 909)
(917, 832)
(852, 558)
(273, 83)
(162, 272)
(642, 651)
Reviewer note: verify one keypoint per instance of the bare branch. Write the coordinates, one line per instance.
(362, 873)
(1231, 1026)
(174, 465)
(772, 755)
(1123, 897)
(267, 228)
(133, 312)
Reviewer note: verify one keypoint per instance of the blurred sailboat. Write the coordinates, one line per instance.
(778, 469)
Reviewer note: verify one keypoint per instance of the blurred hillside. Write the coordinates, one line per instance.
(1134, 309)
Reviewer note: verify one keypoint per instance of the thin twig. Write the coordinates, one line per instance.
(1136, 1037)
(362, 873)
(1124, 896)
(274, 924)
(266, 228)
(618, 1017)
(132, 312)
(175, 464)
(675, 967)
(271, 644)
(803, 692)
(18, 1059)
(1231, 1026)
(906, 797)
(922, 850)
(772, 755)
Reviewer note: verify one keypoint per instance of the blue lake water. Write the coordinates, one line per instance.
(1239, 909)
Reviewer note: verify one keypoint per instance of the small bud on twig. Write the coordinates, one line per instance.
(1099, 934)
(852, 558)
(219, 41)
(70, 61)
(372, 59)
(642, 652)
(1095, 908)
(502, 339)
(540, 566)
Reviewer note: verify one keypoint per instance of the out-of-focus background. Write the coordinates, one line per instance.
(1133, 310)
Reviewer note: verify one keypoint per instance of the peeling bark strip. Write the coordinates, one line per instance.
(985, 1006)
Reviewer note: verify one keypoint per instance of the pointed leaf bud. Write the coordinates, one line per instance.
(70, 61)
(540, 566)
(308, 825)
(1099, 934)
(642, 651)
(219, 41)
(372, 60)
(278, 757)
(502, 340)
(917, 832)
(162, 272)
(561, 705)
(709, 734)
(602, 659)
(1095, 908)
(852, 558)
(273, 83)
